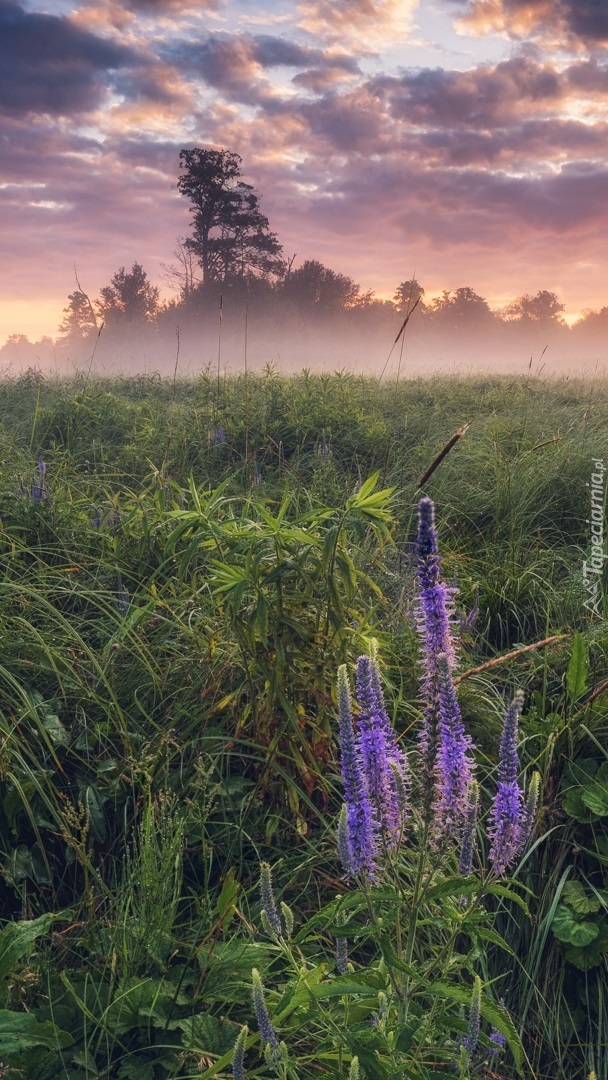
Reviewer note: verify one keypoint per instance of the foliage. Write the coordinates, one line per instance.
(173, 611)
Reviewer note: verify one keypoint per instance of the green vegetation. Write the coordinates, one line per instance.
(180, 582)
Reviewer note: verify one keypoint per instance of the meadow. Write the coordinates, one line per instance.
(185, 566)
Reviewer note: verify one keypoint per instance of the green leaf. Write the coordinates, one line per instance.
(576, 675)
(21, 1031)
(569, 929)
(456, 886)
(574, 894)
(226, 901)
(595, 798)
(590, 956)
(16, 940)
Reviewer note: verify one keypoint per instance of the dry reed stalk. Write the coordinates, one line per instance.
(442, 453)
(509, 656)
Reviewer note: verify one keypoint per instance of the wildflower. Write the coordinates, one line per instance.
(238, 1055)
(261, 1014)
(465, 864)
(270, 915)
(467, 622)
(342, 955)
(218, 435)
(454, 764)
(508, 816)
(357, 830)
(257, 476)
(380, 754)
(354, 1073)
(498, 1042)
(434, 616)
(471, 1038)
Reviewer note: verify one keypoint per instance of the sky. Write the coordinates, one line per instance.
(461, 141)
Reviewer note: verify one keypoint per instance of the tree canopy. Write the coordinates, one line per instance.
(232, 237)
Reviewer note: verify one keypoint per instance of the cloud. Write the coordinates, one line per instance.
(369, 24)
(482, 97)
(573, 21)
(236, 64)
(50, 65)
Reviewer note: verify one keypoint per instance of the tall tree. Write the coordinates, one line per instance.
(231, 237)
(79, 322)
(406, 295)
(544, 309)
(130, 300)
(462, 309)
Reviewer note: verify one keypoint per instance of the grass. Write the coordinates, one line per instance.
(171, 629)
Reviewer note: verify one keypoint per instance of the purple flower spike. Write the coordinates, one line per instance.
(238, 1055)
(467, 849)
(269, 907)
(454, 766)
(342, 955)
(509, 826)
(383, 760)
(357, 831)
(435, 618)
(471, 1038)
(261, 1014)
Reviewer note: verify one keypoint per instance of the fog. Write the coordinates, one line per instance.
(346, 343)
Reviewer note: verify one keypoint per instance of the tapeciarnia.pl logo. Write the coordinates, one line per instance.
(594, 567)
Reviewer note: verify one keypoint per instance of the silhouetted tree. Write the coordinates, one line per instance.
(462, 309)
(232, 237)
(406, 295)
(80, 322)
(543, 309)
(315, 287)
(130, 300)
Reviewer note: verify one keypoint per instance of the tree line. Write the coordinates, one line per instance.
(231, 262)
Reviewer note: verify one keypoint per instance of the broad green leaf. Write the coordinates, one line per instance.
(576, 675)
(568, 928)
(21, 1031)
(574, 894)
(590, 956)
(16, 939)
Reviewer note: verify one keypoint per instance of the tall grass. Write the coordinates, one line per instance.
(172, 615)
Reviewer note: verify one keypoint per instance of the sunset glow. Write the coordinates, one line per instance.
(463, 141)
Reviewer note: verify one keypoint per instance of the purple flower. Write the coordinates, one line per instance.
(498, 1042)
(467, 847)
(467, 622)
(357, 831)
(269, 907)
(342, 955)
(238, 1055)
(471, 1038)
(257, 476)
(383, 761)
(454, 765)
(218, 435)
(435, 617)
(261, 1013)
(508, 827)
